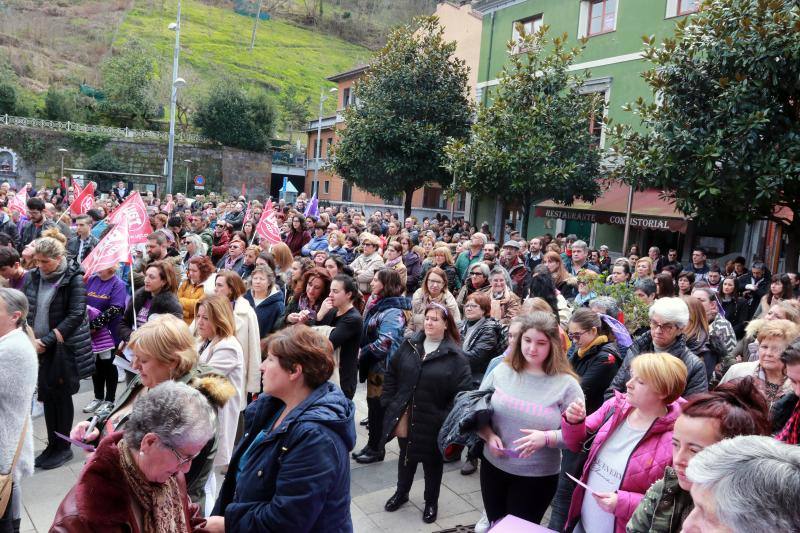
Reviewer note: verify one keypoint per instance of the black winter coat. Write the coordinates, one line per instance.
(427, 385)
(736, 312)
(596, 369)
(67, 314)
(413, 271)
(782, 410)
(486, 343)
(163, 303)
(695, 382)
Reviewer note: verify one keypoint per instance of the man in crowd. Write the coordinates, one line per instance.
(533, 257)
(80, 245)
(157, 249)
(698, 265)
(654, 253)
(221, 241)
(470, 256)
(490, 254)
(605, 259)
(714, 278)
(234, 259)
(199, 224)
(672, 261)
(754, 286)
(120, 192)
(580, 259)
(11, 268)
(37, 223)
(515, 267)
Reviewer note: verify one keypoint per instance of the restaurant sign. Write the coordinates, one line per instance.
(637, 221)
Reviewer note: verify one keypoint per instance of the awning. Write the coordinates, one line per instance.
(649, 210)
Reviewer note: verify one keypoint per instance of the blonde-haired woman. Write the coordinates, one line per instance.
(393, 258)
(218, 348)
(566, 284)
(644, 269)
(283, 261)
(443, 258)
(370, 261)
(532, 388)
(632, 444)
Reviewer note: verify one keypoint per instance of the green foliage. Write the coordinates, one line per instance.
(60, 105)
(129, 83)
(106, 161)
(30, 147)
(8, 99)
(234, 118)
(725, 140)
(87, 143)
(294, 110)
(533, 141)
(633, 308)
(411, 101)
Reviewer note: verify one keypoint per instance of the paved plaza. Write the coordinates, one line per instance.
(371, 485)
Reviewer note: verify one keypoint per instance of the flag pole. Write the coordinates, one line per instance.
(133, 293)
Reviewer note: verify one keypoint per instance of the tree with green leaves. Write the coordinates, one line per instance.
(532, 142)
(233, 117)
(723, 140)
(130, 85)
(8, 98)
(413, 98)
(294, 110)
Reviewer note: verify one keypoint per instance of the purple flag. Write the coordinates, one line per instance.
(312, 209)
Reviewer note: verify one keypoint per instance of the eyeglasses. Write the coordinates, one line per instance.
(663, 327)
(181, 459)
(575, 335)
(434, 282)
(471, 305)
(476, 273)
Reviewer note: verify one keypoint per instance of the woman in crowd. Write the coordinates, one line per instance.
(697, 335)
(393, 257)
(335, 244)
(442, 258)
(747, 348)
(197, 283)
(596, 359)
(157, 297)
(413, 263)
(632, 443)
(505, 304)
(251, 254)
(290, 470)
(164, 350)
(542, 286)
(668, 319)
(477, 281)
(283, 262)
(685, 283)
(18, 365)
(195, 247)
(57, 313)
(308, 296)
(585, 294)
(732, 409)
(365, 265)
(340, 312)
(335, 266)
(105, 302)
(218, 348)
(318, 258)
(249, 230)
(348, 252)
(384, 324)
(773, 338)
(422, 379)
(567, 285)
(482, 335)
(229, 285)
(319, 241)
(140, 472)
(780, 288)
(536, 373)
(297, 237)
(734, 306)
(266, 299)
(644, 269)
(434, 289)
(665, 285)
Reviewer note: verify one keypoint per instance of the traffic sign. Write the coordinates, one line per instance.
(199, 182)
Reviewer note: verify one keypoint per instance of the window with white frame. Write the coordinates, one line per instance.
(602, 17)
(679, 8)
(593, 88)
(529, 25)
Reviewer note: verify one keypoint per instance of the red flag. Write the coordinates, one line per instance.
(84, 201)
(247, 213)
(19, 201)
(76, 188)
(111, 250)
(244, 189)
(267, 227)
(134, 210)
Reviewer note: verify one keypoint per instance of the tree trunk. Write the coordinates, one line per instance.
(409, 195)
(793, 245)
(499, 207)
(526, 212)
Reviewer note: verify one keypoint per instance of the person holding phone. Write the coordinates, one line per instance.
(532, 386)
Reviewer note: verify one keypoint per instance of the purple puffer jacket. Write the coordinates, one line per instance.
(645, 466)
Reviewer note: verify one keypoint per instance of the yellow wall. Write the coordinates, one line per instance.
(463, 27)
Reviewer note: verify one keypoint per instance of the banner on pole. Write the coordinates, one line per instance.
(267, 227)
(134, 210)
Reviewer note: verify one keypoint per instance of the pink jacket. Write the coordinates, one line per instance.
(645, 465)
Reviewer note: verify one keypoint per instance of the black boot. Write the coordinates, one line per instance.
(396, 501)
(372, 456)
(42, 457)
(361, 452)
(430, 512)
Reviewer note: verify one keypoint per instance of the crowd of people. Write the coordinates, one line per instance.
(215, 349)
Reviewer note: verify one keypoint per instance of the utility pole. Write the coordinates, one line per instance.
(255, 25)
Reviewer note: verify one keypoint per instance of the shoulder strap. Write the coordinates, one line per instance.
(19, 447)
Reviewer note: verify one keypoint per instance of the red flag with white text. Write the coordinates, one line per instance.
(84, 201)
(19, 201)
(111, 250)
(267, 227)
(76, 188)
(134, 210)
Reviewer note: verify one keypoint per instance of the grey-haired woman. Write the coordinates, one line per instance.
(18, 365)
(140, 472)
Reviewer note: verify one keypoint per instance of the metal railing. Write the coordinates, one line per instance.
(117, 133)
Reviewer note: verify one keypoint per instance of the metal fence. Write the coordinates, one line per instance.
(117, 133)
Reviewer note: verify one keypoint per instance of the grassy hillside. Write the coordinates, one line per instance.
(215, 42)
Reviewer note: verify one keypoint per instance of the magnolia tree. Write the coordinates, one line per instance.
(533, 141)
(412, 99)
(723, 138)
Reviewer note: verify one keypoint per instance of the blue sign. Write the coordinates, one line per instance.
(199, 180)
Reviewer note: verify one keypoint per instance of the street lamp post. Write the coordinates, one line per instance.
(322, 98)
(63, 152)
(186, 188)
(177, 83)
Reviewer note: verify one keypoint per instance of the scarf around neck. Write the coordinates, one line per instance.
(161, 505)
(790, 434)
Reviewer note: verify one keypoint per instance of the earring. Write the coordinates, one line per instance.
(141, 452)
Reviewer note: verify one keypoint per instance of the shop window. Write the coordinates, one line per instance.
(529, 25)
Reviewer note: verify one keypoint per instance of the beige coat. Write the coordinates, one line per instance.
(364, 268)
(506, 308)
(418, 303)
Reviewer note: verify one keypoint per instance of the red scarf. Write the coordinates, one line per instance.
(790, 434)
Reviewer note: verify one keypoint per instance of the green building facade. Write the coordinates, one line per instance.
(612, 55)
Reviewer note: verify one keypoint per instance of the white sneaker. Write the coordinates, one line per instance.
(120, 375)
(483, 524)
(92, 406)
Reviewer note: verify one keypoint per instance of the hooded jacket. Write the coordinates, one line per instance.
(101, 499)
(644, 467)
(9, 227)
(297, 478)
(384, 324)
(314, 244)
(695, 382)
(427, 384)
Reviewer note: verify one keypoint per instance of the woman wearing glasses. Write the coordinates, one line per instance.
(477, 281)
(668, 318)
(370, 261)
(434, 289)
